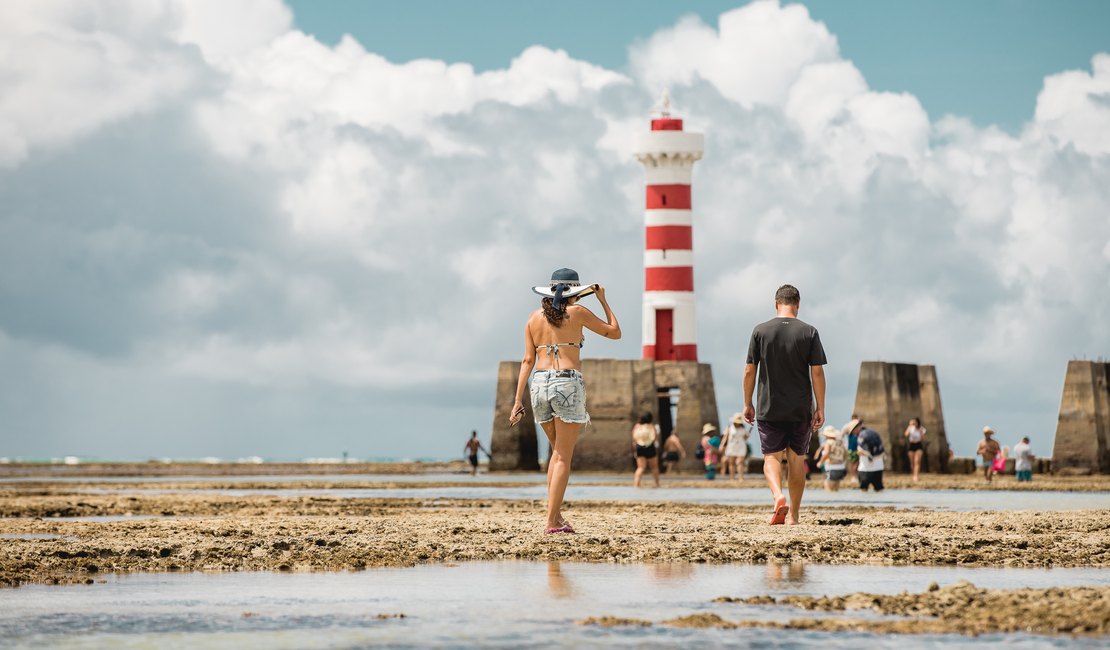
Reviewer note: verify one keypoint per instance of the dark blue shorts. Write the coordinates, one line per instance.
(777, 436)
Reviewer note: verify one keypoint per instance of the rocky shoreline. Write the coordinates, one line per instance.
(212, 532)
(961, 608)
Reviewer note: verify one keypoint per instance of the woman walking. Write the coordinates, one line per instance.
(915, 434)
(736, 446)
(552, 344)
(644, 435)
(834, 456)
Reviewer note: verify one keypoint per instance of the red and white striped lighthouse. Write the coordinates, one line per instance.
(668, 154)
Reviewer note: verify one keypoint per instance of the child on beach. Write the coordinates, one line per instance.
(711, 444)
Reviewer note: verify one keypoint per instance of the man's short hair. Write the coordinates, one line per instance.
(787, 295)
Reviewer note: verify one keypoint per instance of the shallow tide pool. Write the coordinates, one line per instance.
(488, 604)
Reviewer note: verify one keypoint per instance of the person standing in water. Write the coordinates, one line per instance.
(851, 440)
(673, 453)
(552, 345)
(789, 360)
(1023, 460)
(644, 435)
(915, 435)
(473, 446)
(988, 448)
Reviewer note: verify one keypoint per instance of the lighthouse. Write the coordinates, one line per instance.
(668, 155)
(668, 381)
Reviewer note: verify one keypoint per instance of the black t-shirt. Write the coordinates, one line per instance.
(784, 349)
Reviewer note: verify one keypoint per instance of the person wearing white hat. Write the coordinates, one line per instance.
(711, 448)
(735, 442)
(552, 345)
(834, 455)
(988, 449)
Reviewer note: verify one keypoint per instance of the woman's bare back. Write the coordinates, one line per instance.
(540, 332)
(543, 333)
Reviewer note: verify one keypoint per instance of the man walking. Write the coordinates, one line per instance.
(988, 448)
(473, 446)
(786, 354)
(870, 449)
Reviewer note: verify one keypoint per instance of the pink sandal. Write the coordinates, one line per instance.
(781, 510)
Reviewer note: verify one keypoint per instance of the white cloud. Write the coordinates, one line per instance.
(1074, 107)
(289, 219)
(72, 67)
(223, 30)
(754, 57)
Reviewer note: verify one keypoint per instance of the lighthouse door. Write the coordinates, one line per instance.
(664, 335)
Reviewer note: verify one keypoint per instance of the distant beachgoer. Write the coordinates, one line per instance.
(711, 448)
(473, 446)
(673, 452)
(1023, 460)
(915, 434)
(833, 454)
(871, 463)
(644, 436)
(787, 355)
(736, 446)
(558, 391)
(988, 449)
(850, 436)
(999, 464)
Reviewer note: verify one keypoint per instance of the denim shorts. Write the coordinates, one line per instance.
(559, 394)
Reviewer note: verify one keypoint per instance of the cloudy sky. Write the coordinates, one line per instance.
(249, 228)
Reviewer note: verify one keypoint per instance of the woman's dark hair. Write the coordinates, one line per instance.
(646, 418)
(554, 316)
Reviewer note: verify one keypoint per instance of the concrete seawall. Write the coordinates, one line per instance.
(617, 392)
(1083, 428)
(888, 395)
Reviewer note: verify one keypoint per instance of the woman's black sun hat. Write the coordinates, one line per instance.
(565, 284)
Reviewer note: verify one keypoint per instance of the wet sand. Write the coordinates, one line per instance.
(148, 531)
(961, 608)
(211, 532)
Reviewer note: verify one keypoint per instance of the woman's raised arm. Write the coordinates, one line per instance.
(610, 329)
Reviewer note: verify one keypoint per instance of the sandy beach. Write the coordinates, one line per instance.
(195, 529)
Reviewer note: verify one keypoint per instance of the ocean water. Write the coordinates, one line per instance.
(486, 604)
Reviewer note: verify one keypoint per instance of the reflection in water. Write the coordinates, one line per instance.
(793, 574)
(557, 582)
(672, 572)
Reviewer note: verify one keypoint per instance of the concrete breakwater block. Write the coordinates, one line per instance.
(1083, 429)
(888, 395)
(679, 394)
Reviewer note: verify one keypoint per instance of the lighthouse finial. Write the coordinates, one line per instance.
(664, 105)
